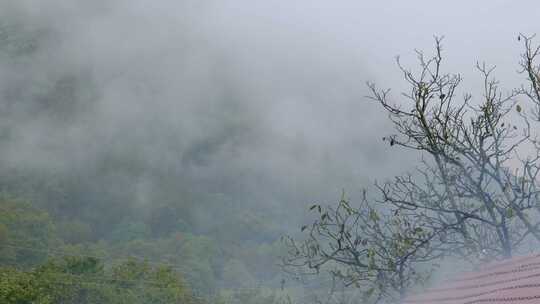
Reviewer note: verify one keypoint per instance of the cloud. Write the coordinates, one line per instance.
(259, 101)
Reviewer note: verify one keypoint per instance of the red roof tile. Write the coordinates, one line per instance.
(514, 281)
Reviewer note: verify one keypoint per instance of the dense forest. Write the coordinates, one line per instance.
(106, 220)
(147, 170)
(176, 154)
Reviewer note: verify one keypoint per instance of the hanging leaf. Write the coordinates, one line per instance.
(509, 212)
(373, 215)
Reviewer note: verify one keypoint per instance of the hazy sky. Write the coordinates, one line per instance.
(261, 100)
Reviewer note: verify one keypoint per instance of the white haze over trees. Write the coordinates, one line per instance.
(140, 120)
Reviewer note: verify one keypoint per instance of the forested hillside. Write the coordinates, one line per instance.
(90, 216)
(252, 152)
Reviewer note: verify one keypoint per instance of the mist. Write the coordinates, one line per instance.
(228, 100)
(220, 105)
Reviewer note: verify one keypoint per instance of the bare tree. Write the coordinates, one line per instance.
(471, 173)
(531, 68)
(377, 252)
(473, 195)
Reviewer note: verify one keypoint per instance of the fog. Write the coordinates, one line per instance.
(256, 104)
(264, 107)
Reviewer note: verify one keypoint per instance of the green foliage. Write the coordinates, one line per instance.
(17, 287)
(84, 280)
(233, 256)
(129, 231)
(74, 231)
(23, 226)
(195, 256)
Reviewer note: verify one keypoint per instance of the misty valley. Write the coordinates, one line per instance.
(269, 152)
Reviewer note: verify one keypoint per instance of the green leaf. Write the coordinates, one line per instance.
(373, 215)
(510, 212)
